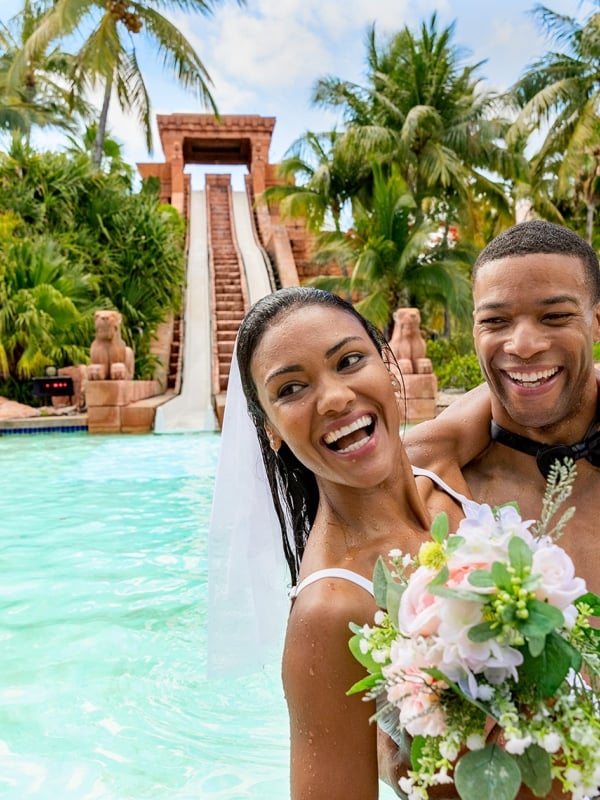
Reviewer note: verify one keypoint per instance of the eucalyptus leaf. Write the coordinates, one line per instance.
(535, 767)
(381, 577)
(481, 577)
(392, 600)
(440, 527)
(440, 579)
(455, 594)
(487, 774)
(482, 632)
(501, 576)
(416, 748)
(365, 659)
(520, 555)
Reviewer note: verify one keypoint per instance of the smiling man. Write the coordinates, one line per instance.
(536, 290)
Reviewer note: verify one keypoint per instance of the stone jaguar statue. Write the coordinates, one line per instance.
(407, 342)
(111, 358)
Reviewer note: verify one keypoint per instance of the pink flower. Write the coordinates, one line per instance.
(419, 610)
(416, 695)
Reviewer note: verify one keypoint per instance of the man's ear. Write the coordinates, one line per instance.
(274, 438)
(596, 323)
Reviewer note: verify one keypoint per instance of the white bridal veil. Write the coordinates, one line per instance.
(247, 594)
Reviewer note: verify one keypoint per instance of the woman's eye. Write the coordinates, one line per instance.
(289, 389)
(350, 360)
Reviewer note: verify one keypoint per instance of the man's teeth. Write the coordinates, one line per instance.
(532, 378)
(361, 422)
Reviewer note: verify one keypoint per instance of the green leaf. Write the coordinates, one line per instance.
(501, 576)
(483, 632)
(364, 685)
(592, 600)
(366, 659)
(520, 555)
(481, 577)
(453, 543)
(416, 748)
(543, 619)
(381, 577)
(439, 528)
(536, 645)
(535, 767)
(487, 774)
(455, 594)
(547, 671)
(440, 579)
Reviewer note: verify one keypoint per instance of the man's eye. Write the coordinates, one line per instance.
(495, 321)
(562, 316)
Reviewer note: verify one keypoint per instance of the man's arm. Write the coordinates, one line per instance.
(455, 437)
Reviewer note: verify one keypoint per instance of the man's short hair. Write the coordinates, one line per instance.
(540, 236)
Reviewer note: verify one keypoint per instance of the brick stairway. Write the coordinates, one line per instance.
(229, 293)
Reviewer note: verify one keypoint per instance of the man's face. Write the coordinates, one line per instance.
(535, 324)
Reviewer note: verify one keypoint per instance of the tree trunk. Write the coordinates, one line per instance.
(589, 222)
(98, 150)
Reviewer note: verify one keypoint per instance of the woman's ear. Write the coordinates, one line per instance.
(275, 440)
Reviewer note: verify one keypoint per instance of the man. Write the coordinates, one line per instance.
(536, 290)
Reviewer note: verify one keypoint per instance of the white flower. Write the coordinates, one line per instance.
(364, 646)
(395, 553)
(449, 749)
(517, 746)
(551, 742)
(560, 587)
(379, 617)
(475, 741)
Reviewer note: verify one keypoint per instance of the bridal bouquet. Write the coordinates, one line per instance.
(485, 655)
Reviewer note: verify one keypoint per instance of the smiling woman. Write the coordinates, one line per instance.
(323, 392)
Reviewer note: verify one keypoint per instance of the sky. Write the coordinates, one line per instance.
(265, 58)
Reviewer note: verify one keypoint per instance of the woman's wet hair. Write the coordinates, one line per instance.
(293, 486)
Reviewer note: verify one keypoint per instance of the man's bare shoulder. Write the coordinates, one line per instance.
(455, 437)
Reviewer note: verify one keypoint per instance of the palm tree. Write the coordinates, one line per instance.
(393, 261)
(108, 56)
(41, 97)
(424, 112)
(319, 180)
(560, 93)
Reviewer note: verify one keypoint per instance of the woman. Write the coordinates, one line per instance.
(321, 389)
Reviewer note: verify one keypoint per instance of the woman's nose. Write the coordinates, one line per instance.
(334, 395)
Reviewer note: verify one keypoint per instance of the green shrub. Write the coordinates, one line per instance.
(596, 352)
(454, 370)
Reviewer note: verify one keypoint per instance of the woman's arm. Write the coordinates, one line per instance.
(333, 744)
(455, 437)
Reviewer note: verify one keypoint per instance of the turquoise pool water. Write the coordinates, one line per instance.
(103, 594)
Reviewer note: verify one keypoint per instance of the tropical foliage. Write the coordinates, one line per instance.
(108, 57)
(74, 239)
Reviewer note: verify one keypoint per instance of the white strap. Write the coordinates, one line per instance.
(333, 572)
(469, 506)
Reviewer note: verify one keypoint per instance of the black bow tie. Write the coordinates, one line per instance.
(547, 454)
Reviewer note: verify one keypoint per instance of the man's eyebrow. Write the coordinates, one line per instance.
(298, 367)
(545, 301)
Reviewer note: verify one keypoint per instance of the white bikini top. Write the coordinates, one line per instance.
(469, 507)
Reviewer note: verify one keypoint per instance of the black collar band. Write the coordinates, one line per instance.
(546, 454)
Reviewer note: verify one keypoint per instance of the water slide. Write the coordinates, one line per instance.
(192, 410)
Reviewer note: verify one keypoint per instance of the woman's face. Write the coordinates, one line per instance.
(328, 395)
